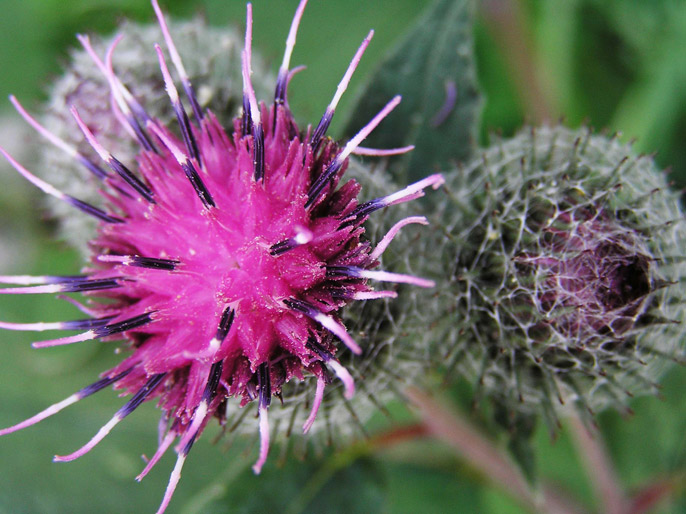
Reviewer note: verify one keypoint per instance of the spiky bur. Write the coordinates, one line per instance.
(223, 256)
(563, 262)
(212, 59)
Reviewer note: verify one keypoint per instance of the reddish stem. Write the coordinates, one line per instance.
(446, 425)
(599, 468)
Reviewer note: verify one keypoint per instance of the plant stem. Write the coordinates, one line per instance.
(599, 468)
(448, 426)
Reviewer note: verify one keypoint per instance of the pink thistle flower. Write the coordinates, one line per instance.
(223, 259)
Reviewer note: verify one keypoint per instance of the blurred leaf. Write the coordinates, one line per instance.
(502, 112)
(640, 23)
(556, 35)
(433, 69)
(559, 466)
(359, 487)
(660, 426)
(430, 491)
(653, 108)
(497, 502)
(330, 486)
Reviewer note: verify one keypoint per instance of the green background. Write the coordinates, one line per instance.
(619, 64)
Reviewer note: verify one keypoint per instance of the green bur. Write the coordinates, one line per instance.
(558, 256)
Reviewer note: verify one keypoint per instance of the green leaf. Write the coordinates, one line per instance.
(659, 426)
(338, 484)
(435, 59)
(415, 488)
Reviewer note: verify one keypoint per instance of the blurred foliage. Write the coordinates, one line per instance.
(616, 64)
(436, 56)
(619, 64)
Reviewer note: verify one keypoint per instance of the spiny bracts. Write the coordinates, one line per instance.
(223, 258)
(562, 265)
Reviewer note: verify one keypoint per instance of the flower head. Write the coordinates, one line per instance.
(211, 57)
(564, 276)
(223, 258)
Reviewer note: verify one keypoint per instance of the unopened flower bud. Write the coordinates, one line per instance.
(561, 257)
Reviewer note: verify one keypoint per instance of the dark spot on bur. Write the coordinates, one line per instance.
(565, 364)
(629, 281)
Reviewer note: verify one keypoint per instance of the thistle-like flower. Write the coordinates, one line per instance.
(211, 58)
(223, 258)
(563, 261)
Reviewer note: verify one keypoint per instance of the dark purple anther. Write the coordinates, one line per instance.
(300, 306)
(315, 347)
(246, 120)
(92, 210)
(141, 135)
(281, 247)
(141, 395)
(101, 384)
(213, 382)
(318, 186)
(342, 293)
(98, 284)
(123, 326)
(258, 149)
(187, 131)
(320, 131)
(151, 263)
(198, 184)
(362, 212)
(281, 86)
(85, 324)
(264, 384)
(92, 167)
(130, 179)
(225, 323)
(193, 99)
(343, 271)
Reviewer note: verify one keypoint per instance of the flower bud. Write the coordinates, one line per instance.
(561, 262)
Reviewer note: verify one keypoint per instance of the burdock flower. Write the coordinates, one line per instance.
(223, 257)
(562, 257)
(211, 58)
